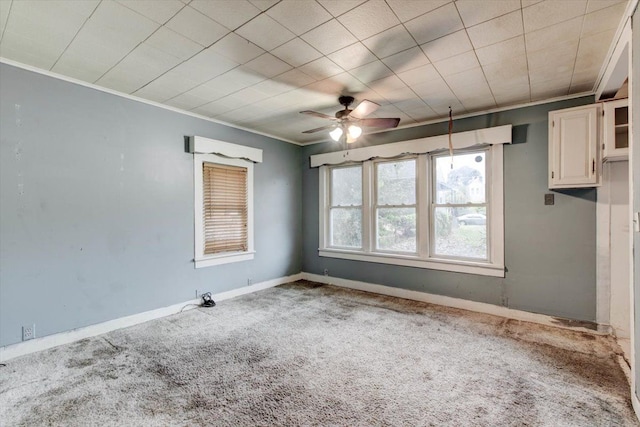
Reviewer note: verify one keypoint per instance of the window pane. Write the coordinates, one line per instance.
(461, 232)
(465, 183)
(346, 227)
(396, 183)
(396, 229)
(346, 186)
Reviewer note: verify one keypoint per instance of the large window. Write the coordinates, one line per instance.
(223, 191)
(430, 210)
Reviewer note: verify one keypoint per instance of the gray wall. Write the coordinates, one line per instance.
(634, 162)
(96, 212)
(550, 251)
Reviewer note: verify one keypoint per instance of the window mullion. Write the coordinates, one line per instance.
(368, 216)
(422, 205)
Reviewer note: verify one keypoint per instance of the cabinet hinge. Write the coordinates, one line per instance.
(551, 174)
(603, 112)
(603, 146)
(553, 124)
(593, 166)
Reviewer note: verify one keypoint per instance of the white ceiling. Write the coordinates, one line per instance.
(257, 63)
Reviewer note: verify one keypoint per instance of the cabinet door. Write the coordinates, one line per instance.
(573, 147)
(616, 130)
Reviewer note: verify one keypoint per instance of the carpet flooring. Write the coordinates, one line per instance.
(305, 354)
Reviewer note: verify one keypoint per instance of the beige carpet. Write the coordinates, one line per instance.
(307, 354)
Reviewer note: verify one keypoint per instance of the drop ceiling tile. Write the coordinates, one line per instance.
(369, 19)
(547, 13)
(230, 13)
(236, 48)
(186, 101)
(457, 64)
(338, 7)
(207, 93)
(5, 6)
(511, 96)
(594, 5)
(580, 88)
(263, 4)
(196, 26)
(593, 49)
(389, 42)
(422, 114)
(474, 14)
(511, 71)
(563, 53)
(387, 84)
(165, 87)
(407, 60)
(141, 66)
(250, 95)
(447, 46)
(268, 65)
(527, 3)
(272, 87)
(158, 11)
(496, 30)
(549, 89)
(468, 83)
(295, 78)
(219, 106)
(205, 66)
(502, 51)
(435, 24)
(548, 38)
(395, 95)
(411, 104)
(227, 83)
(419, 75)
(325, 86)
(173, 43)
(321, 68)
(407, 10)
(28, 51)
(265, 32)
(329, 37)
(352, 56)
(296, 52)
(299, 16)
(371, 72)
(585, 76)
(603, 19)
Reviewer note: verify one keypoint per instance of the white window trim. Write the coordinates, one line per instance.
(230, 155)
(493, 267)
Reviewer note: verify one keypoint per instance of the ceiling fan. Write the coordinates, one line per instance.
(348, 122)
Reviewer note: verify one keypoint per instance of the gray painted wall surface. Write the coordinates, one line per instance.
(96, 212)
(550, 251)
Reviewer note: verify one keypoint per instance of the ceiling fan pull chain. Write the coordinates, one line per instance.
(450, 143)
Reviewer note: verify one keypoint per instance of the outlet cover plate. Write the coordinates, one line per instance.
(28, 332)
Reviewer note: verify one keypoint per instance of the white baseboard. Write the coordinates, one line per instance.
(38, 344)
(479, 307)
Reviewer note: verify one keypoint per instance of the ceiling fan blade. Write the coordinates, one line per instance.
(316, 114)
(363, 109)
(387, 122)
(319, 129)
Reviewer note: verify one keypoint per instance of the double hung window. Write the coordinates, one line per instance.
(430, 210)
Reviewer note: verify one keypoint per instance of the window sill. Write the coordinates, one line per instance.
(224, 259)
(469, 267)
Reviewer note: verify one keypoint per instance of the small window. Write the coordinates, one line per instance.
(223, 210)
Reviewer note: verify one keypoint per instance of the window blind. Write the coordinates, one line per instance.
(224, 208)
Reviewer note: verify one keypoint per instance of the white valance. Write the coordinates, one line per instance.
(202, 145)
(474, 138)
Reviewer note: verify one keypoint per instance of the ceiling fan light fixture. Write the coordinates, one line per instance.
(336, 134)
(354, 131)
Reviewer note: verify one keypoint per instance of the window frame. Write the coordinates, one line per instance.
(424, 258)
(224, 153)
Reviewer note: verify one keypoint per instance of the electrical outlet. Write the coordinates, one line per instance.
(326, 271)
(28, 332)
(249, 282)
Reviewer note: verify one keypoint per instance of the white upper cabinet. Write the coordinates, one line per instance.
(573, 147)
(615, 144)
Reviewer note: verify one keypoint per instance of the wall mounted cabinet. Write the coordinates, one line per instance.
(573, 147)
(615, 143)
